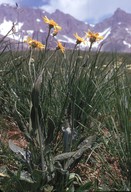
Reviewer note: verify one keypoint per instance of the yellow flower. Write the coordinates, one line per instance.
(93, 37)
(52, 23)
(60, 46)
(34, 44)
(79, 39)
(57, 27)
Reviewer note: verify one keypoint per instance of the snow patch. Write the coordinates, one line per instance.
(128, 44)
(38, 20)
(68, 39)
(6, 26)
(105, 33)
(30, 32)
(41, 30)
(128, 31)
(92, 25)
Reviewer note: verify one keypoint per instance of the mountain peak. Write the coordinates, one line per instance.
(120, 15)
(119, 12)
(58, 11)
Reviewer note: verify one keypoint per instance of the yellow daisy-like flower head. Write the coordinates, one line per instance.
(60, 46)
(52, 23)
(93, 37)
(79, 39)
(34, 43)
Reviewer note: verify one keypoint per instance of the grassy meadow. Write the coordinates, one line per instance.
(65, 120)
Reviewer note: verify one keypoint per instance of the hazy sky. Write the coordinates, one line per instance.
(91, 11)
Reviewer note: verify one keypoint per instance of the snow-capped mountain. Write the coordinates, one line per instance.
(119, 31)
(116, 30)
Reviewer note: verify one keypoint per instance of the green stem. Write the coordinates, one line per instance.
(29, 64)
(47, 39)
(90, 46)
(46, 63)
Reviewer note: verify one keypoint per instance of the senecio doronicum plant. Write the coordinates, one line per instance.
(35, 110)
(53, 171)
